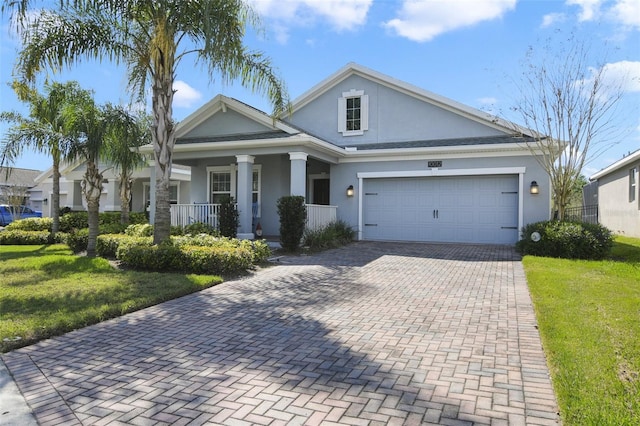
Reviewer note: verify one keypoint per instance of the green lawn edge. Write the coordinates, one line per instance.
(46, 291)
(588, 314)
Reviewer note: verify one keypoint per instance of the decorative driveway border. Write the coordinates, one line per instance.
(372, 333)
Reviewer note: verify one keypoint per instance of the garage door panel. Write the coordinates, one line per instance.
(480, 209)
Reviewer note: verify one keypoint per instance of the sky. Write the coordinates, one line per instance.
(470, 51)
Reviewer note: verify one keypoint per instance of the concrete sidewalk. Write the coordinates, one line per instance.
(373, 333)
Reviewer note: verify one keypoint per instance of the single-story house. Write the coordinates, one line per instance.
(71, 189)
(15, 186)
(392, 160)
(618, 195)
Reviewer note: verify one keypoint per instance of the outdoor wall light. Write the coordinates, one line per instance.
(350, 191)
(534, 188)
(45, 201)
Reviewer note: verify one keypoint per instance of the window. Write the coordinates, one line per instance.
(173, 193)
(223, 181)
(353, 113)
(633, 184)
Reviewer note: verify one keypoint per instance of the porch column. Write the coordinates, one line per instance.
(112, 202)
(245, 191)
(298, 173)
(152, 194)
(74, 196)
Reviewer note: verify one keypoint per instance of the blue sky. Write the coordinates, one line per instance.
(467, 50)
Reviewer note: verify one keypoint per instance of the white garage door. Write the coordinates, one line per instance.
(470, 209)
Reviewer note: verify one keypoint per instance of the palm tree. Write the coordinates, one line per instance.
(45, 130)
(87, 125)
(125, 131)
(151, 37)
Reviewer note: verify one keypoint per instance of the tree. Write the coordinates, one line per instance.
(125, 132)
(88, 125)
(44, 130)
(569, 105)
(151, 37)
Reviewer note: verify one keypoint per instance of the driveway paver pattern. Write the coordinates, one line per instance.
(372, 333)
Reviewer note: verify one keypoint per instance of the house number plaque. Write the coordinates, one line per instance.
(434, 163)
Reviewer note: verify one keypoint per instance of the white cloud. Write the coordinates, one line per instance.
(341, 14)
(185, 95)
(623, 74)
(423, 20)
(488, 101)
(552, 19)
(590, 8)
(627, 12)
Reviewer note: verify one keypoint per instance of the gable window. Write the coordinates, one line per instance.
(353, 113)
(633, 184)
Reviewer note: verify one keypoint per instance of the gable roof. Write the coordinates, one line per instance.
(221, 103)
(625, 161)
(353, 68)
(18, 177)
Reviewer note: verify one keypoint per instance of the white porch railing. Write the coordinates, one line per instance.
(319, 216)
(185, 214)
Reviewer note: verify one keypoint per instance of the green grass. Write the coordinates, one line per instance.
(46, 291)
(589, 318)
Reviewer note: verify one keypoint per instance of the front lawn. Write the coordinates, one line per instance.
(589, 318)
(46, 291)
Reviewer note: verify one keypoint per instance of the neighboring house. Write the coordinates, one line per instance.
(14, 188)
(392, 160)
(618, 195)
(71, 189)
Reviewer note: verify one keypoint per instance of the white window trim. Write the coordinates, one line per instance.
(146, 191)
(233, 171)
(364, 112)
(633, 184)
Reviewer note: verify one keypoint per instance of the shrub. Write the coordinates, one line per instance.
(138, 217)
(200, 228)
(228, 218)
(139, 230)
(107, 244)
(333, 235)
(161, 257)
(78, 239)
(293, 215)
(571, 240)
(215, 259)
(20, 237)
(74, 220)
(31, 224)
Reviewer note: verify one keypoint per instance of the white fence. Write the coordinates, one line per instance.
(185, 214)
(319, 216)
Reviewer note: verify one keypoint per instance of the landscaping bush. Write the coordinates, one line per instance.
(139, 230)
(74, 220)
(197, 228)
(77, 240)
(161, 257)
(216, 259)
(20, 237)
(31, 224)
(335, 234)
(107, 244)
(108, 221)
(228, 218)
(138, 217)
(571, 240)
(293, 215)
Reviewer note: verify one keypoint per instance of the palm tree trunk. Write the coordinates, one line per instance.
(92, 188)
(125, 197)
(163, 138)
(55, 197)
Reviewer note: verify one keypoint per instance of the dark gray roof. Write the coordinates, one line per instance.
(236, 137)
(491, 140)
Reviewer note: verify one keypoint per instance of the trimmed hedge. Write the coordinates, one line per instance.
(19, 237)
(563, 239)
(31, 224)
(293, 215)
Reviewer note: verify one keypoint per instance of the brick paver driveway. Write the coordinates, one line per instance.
(374, 333)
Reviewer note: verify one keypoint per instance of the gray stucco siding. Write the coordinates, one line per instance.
(393, 116)
(616, 211)
(226, 123)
